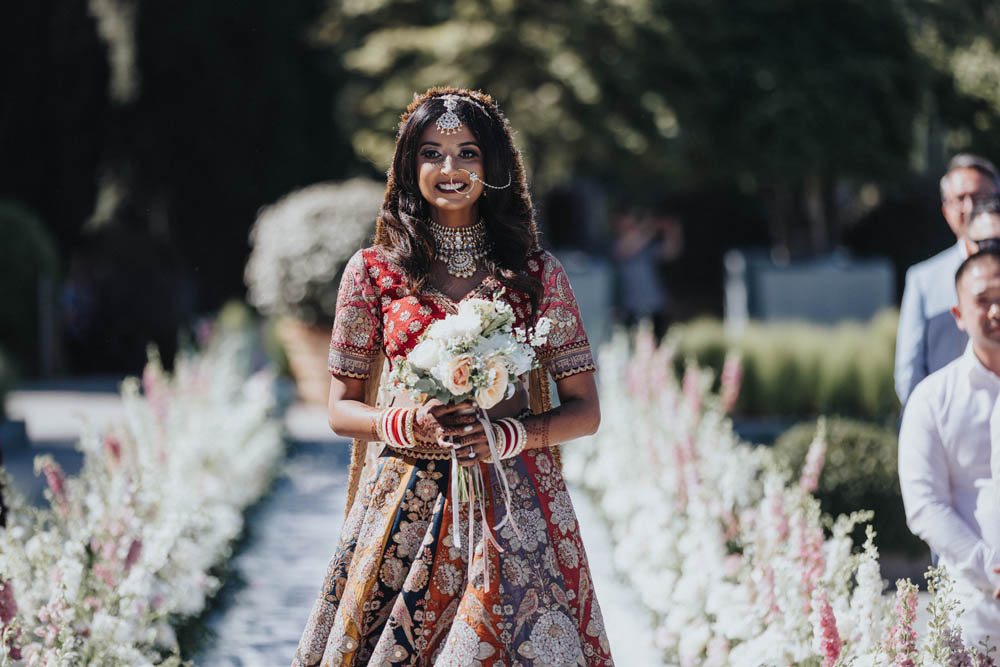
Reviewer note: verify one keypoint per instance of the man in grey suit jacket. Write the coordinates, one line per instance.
(928, 337)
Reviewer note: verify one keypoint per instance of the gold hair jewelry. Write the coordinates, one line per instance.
(460, 249)
(449, 123)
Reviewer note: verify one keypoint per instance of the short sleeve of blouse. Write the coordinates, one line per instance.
(567, 350)
(357, 332)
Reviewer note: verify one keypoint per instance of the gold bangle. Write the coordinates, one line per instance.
(411, 416)
(380, 426)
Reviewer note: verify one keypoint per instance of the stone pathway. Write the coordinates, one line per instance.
(291, 538)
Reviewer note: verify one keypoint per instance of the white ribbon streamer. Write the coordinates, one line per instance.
(477, 485)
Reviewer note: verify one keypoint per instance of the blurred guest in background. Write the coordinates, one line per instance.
(944, 453)
(928, 337)
(642, 244)
(984, 229)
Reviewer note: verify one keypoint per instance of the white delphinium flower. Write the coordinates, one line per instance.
(869, 609)
(723, 548)
(153, 509)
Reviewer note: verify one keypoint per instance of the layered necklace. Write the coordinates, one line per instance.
(460, 249)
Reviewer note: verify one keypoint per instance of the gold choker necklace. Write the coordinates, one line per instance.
(460, 248)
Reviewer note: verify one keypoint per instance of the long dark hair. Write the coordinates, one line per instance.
(508, 213)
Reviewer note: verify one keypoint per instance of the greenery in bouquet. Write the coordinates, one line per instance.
(474, 354)
(301, 244)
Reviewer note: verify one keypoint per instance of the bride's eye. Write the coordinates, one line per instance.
(468, 154)
(429, 154)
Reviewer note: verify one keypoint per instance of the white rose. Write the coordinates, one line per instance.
(460, 325)
(426, 354)
(479, 308)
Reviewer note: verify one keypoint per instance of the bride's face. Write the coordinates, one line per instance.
(444, 163)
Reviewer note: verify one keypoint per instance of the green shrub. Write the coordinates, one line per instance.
(27, 254)
(6, 382)
(859, 473)
(793, 369)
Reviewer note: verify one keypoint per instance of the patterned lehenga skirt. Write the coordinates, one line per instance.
(398, 590)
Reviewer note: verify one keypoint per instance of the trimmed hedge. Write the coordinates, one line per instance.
(27, 253)
(859, 473)
(796, 370)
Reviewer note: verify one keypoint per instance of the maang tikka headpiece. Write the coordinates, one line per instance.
(449, 123)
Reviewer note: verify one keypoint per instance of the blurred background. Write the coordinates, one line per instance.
(140, 141)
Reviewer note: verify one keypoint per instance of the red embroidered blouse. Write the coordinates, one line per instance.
(375, 309)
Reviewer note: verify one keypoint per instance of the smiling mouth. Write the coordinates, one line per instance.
(451, 187)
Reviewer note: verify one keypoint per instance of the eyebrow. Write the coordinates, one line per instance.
(464, 143)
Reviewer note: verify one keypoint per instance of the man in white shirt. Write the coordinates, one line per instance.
(927, 338)
(944, 453)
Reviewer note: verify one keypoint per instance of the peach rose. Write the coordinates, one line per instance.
(458, 373)
(496, 384)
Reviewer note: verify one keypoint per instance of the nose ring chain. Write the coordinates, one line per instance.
(474, 177)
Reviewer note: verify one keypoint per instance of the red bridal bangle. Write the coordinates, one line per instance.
(511, 437)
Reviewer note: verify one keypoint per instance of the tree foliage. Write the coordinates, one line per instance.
(798, 104)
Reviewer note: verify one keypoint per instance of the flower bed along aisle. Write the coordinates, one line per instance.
(729, 551)
(126, 547)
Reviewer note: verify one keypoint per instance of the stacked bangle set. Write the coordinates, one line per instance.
(395, 428)
(510, 436)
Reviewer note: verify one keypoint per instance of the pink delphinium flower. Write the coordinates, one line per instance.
(134, 551)
(825, 628)
(691, 386)
(113, 447)
(813, 466)
(777, 518)
(56, 480)
(8, 610)
(901, 644)
(810, 556)
(958, 655)
(732, 378)
(156, 390)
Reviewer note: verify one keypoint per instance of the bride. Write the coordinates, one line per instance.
(457, 222)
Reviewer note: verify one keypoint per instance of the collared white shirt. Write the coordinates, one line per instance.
(945, 476)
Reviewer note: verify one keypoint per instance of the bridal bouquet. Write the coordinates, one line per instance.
(474, 354)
